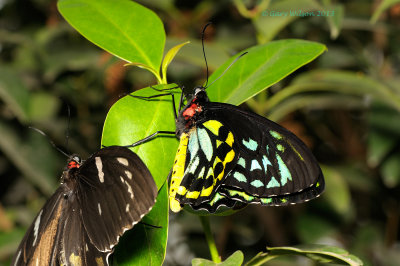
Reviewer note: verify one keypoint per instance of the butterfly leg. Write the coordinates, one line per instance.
(160, 95)
(167, 89)
(156, 96)
(150, 137)
(176, 87)
(150, 225)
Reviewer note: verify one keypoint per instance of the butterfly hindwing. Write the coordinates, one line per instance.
(272, 162)
(75, 245)
(57, 236)
(123, 192)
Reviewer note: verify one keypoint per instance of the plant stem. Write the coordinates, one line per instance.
(241, 7)
(205, 222)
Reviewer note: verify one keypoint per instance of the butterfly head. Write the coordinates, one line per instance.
(74, 161)
(192, 111)
(200, 94)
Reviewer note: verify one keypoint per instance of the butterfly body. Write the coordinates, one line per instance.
(96, 202)
(228, 155)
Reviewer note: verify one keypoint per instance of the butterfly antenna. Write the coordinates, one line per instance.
(51, 142)
(234, 61)
(204, 53)
(68, 124)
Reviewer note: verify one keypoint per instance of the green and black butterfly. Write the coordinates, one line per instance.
(227, 155)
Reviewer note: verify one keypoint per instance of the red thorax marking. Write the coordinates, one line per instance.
(191, 111)
(73, 164)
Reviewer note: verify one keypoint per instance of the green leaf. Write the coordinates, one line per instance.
(337, 190)
(310, 102)
(379, 146)
(263, 66)
(270, 23)
(343, 82)
(43, 106)
(9, 241)
(168, 59)
(193, 53)
(391, 171)
(130, 120)
(153, 71)
(335, 20)
(71, 58)
(320, 253)
(23, 152)
(385, 4)
(236, 259)
(311, 228)
(383, 134)
(146, 245)
(121, 27)
(14, 93)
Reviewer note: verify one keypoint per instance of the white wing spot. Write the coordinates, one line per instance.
(128, 174)
(17, 259)
(98, 205)
(122, 179)
(127, 208)
(36, 227)
(99, 166)
(123, 161)
(129, 189)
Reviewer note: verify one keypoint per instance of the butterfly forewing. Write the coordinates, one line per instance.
(39, 242)
(209, 156)
(121, 194)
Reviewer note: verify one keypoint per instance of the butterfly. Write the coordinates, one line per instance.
(98, 200)
(230, 157)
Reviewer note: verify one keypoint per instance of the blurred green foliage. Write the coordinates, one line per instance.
(345, 106)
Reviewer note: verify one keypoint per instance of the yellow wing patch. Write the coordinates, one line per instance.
(177, 172)
(75, 260)
(213, 126)
(99, 261)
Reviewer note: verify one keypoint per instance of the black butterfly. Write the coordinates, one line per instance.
(228, 156)
(97, 201)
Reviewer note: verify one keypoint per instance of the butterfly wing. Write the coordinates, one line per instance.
(274, 167)
(205, 156)
(115, 191)
(39, 245)
(57, 236)
(75, 247)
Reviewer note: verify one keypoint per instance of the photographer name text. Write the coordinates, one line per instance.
(298, 13)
